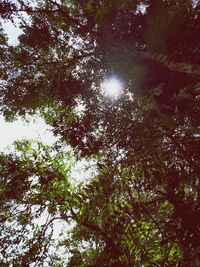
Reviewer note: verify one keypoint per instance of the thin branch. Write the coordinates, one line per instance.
(27, 9)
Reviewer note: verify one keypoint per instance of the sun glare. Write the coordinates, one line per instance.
(112, 87)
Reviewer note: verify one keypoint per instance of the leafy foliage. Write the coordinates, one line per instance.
(142, 207)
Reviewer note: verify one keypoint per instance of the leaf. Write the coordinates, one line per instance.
(166, 121)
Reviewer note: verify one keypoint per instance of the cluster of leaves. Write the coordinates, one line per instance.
(35, 193)
(143, 206)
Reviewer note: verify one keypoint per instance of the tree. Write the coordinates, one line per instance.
(142, 207)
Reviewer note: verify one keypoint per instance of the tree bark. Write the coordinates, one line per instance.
(187, 68)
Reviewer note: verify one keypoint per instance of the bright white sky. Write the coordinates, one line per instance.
(19, 129)
(12, 31)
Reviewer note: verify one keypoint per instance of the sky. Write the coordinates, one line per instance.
(35, 129)
(12, 31)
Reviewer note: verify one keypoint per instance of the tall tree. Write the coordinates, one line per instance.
(142, 207)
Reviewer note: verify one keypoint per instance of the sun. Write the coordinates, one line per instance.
(112, 87)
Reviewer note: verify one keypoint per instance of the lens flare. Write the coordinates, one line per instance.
(112, 87)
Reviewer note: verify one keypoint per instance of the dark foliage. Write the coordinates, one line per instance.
(142, 207)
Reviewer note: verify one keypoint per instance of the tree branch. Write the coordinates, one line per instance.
(187, 68)
(59, 10)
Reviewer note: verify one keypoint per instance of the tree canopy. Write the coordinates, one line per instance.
(142, 205)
